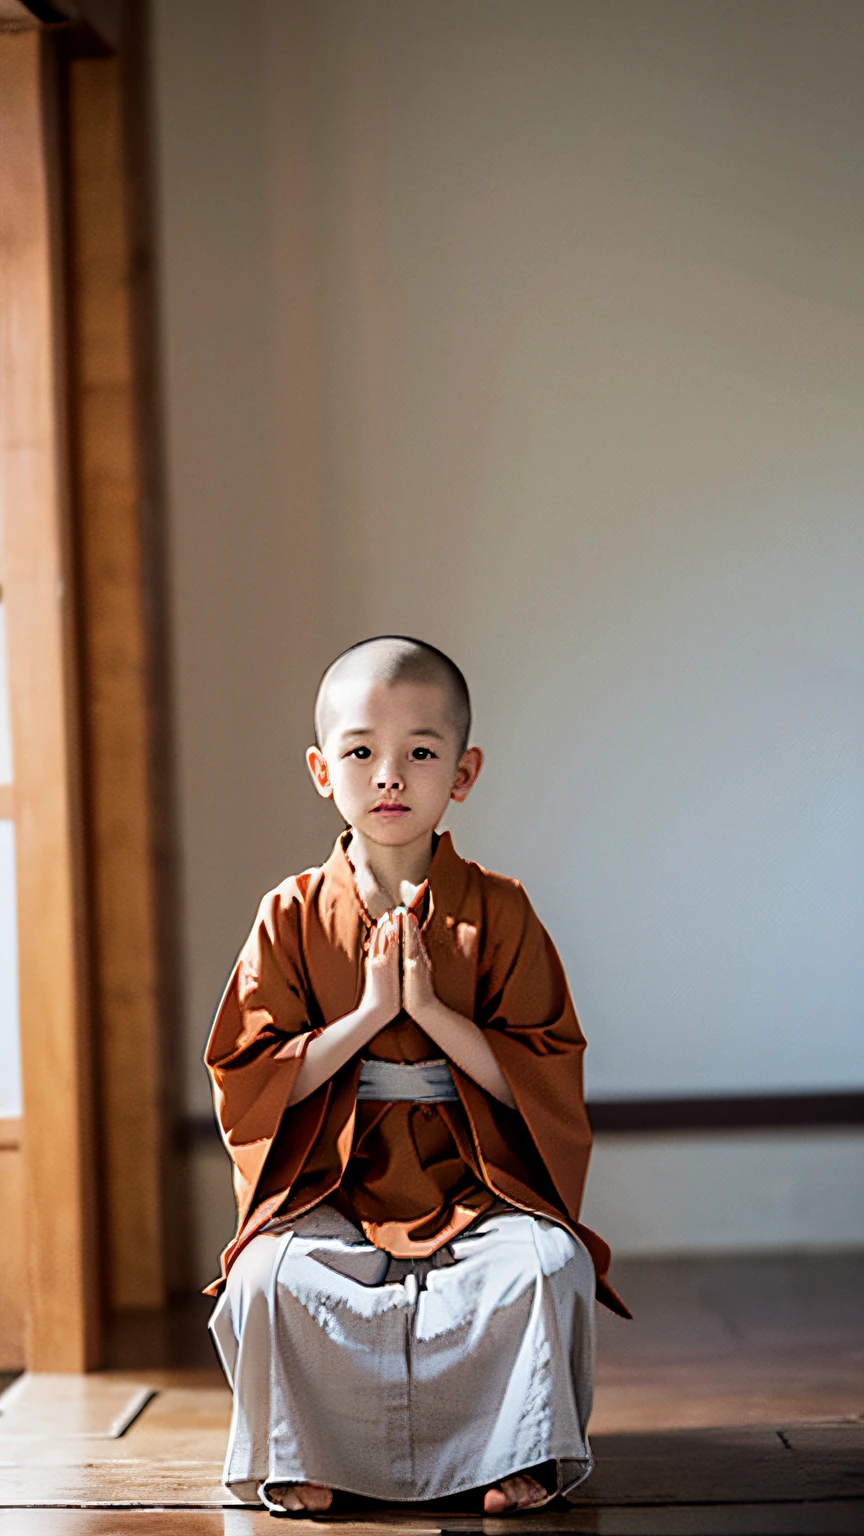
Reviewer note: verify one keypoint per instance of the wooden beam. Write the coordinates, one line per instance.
(62, 1289)
(111, 587)
(13, 1274)
(10, 1134)
(138, 68)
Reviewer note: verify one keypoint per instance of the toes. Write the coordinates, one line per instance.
(518, 1492)
(533, 1492)
(312, 1496)
(495, 1501)
(315, 1496)
(284, 1494)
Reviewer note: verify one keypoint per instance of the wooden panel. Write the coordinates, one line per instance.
(186, 1424)
(812, 1519)
(138, 66)
(684, 1467)
(119, 792)
(55, 1408)
(62, 1291)
(175, 1522)
(732, 1340)
(7, 802)
(724, 1466)
(142, 1522)
(12, 1273)
(166, 1481)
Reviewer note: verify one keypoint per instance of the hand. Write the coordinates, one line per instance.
(381, 999)
(418, 990)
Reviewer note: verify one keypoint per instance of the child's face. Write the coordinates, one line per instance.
(390, 758)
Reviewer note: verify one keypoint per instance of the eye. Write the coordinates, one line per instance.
(361, 752)
(425, 752)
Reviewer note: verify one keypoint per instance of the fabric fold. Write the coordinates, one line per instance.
(407, 1389)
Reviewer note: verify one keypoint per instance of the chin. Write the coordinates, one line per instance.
(393, 833)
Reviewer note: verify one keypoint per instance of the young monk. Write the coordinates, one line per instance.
(406, 1310)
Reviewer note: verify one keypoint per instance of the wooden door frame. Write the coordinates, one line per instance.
(62, 1314)
(91, 798)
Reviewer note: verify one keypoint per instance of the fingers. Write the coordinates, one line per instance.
(385, 935)
(411, 934)
(398, 927)
(414, 948)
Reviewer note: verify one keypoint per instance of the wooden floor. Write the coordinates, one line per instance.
(733, 1403)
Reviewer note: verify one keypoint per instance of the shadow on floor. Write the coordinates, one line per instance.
(173, 1338)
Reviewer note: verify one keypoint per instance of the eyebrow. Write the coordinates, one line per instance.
(366, 730)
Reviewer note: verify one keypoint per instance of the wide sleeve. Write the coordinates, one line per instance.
(257, 1043)
(524, 1007)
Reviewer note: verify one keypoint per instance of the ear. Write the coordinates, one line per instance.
(316, 762)
(468, 768)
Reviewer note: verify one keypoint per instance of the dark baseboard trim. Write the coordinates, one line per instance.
(728, 1112)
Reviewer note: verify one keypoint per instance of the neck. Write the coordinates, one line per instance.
(378, 866)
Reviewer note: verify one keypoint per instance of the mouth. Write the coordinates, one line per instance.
(390, 808)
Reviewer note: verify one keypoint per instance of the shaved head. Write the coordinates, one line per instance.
(395, 659)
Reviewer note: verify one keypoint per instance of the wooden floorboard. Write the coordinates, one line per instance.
(733, 1403)
(58, 1407)
(828, 1518)
(751, 1465)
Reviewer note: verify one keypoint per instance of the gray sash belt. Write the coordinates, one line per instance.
(423, 1082)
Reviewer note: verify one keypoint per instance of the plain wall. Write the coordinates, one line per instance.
(536, 331)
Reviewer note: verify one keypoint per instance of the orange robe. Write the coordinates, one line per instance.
(410, 1175)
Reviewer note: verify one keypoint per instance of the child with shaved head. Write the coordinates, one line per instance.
(406, 1309)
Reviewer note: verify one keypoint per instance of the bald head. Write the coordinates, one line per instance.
(394, 659)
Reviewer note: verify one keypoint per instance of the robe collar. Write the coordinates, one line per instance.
(446, 884)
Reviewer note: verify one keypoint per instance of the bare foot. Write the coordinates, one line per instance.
(518, 1492)
(312, 1496)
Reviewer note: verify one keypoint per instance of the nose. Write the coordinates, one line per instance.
(389, 778)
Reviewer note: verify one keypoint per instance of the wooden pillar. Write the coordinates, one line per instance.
(13, 1277)
(119, 797)
(62, 1291)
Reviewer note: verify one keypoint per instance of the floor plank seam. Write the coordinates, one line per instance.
(766, 1501)
(145, 1403)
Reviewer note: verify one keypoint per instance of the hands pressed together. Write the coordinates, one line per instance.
(399, 975)
(398, 971)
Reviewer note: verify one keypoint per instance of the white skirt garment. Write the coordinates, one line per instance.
(407, 1380)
